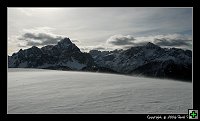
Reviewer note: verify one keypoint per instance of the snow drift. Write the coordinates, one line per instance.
(41, 91)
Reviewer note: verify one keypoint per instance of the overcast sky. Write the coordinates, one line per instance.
(103, 28)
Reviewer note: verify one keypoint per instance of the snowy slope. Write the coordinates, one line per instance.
(50, 91)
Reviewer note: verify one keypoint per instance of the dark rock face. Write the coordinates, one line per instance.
(167, 69)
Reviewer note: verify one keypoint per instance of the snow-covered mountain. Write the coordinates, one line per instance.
(64, 55)
(148, 60)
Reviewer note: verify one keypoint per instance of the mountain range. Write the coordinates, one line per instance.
(147, 60)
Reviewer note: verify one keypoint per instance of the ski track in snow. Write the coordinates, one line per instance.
(41, 91)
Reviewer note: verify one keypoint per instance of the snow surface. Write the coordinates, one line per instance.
(49, 91)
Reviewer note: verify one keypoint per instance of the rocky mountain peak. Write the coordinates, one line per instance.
(151, 45)
(65, 41)
(63, 55)
(66, 45)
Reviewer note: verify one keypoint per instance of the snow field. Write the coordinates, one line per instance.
(41, 91)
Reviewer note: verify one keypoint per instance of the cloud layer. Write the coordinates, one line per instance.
(168, 40)
(113, 42)
(174, 40)
(121, 40)
(36, 39)
(93, 26)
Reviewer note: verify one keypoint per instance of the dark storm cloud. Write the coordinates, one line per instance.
(32, 43)
(168, 40)
(121, 40)
(35, 39)
(172, 42)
